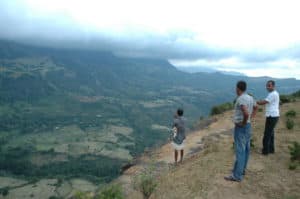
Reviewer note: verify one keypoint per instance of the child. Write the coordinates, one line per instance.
(179, 134)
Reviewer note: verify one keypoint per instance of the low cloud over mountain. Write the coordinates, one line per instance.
(179, 33)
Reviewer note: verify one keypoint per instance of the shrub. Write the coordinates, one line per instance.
(111, 192)
(252, 143)
(285, 99)
(293, 166)
(290, 124)
(295, 151)
(296, 94)
(4, 191)
(295, 155)
(221, 108)
(291, 113)
(145, 183)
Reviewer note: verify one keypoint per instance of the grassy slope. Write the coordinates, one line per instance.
(201, 176)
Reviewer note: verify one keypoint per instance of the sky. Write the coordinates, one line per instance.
(254, 37)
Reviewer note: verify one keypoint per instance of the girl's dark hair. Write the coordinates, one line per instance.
(272, 82)
(180, 112)
(242, 85)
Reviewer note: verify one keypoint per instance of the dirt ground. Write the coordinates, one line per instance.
(209, 156)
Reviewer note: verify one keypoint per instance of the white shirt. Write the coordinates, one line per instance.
(272, 107)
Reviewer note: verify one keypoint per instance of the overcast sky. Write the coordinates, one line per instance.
(255, 37)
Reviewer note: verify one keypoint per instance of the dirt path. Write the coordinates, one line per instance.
(164, 156)
(210, 156)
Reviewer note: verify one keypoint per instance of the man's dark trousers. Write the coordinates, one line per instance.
(268, 140)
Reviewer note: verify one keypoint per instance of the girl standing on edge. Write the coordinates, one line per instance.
(179, 135)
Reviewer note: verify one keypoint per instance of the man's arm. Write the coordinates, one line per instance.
(245, 114)
(255, 107)
(262, 102)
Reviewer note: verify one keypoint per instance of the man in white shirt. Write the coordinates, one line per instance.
(272, 115)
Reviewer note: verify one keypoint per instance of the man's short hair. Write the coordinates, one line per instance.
(180, 112)
(242, 85)
(272, 82)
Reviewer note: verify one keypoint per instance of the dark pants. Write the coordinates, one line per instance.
(268, 140)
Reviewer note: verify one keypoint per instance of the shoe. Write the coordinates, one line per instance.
(231, 178)
(244, 172)
(264, 153)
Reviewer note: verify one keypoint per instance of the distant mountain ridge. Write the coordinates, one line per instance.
(34, 73)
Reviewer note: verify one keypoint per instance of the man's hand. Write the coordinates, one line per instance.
(254, 112)
(262, 102)
(241, 124)
(245, 115)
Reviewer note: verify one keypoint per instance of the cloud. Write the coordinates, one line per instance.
(262, 56)
(292, 52)
(279, 68)
(19, 23)
(259, 56)
(178, 35)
